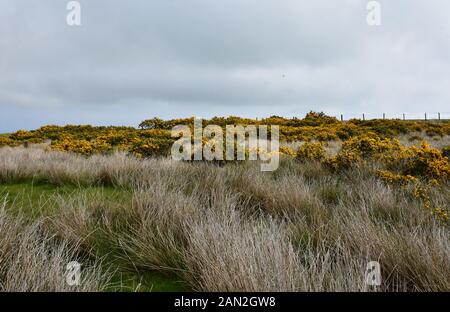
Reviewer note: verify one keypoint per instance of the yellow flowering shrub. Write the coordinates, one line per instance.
(442, 214)
(369, 145)
(428, 162)
(311, 151)
(362, 140)
(344, 159)
(22, 135)
(151, 147)
(422, 193)
(101, 145)
(156, 133)
(366, 147)
(67, 144)
(424, 167)
(145, 149)
(284, 150)
(395, 178)
(5, 141)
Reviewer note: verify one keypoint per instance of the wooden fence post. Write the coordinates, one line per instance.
(364, 117)
(404, 117)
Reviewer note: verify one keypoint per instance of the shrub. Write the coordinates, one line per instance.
(152, 147)
(311, 151)
(429, 162)
(395, 178)
(347, 131)
(4, 141)
(22, 135)
(287, 151)
(435, 131)
(363, 148)
(370, 145)
(446, 151)
(154, 123)
(315, 119)
(68, 144)
(343, 160)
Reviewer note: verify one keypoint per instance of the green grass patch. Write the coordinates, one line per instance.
(147, 282)
(31, 200)
(37, 199)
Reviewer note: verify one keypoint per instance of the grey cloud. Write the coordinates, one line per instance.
(132, 60)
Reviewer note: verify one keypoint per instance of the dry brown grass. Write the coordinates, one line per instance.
(234, 228)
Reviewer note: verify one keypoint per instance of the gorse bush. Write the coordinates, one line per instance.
(285, 150)
(4, 141)
(421, 162)
(152, 147)
(345, 193)
(22, 135)
(370, 145)
(311, 151)
(362, 142)
(446, 151)
(429, 162)
(99, 145)
(154, 137)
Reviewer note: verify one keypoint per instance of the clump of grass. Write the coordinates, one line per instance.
(226, 253)
(31, 260)
(229, 228)
(154, 236)
(83, 216)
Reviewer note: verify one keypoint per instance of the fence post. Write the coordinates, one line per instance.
(439, 116)
(425, 116)
(384, 116)
(364, 117)
(404, 117)
(342, 117)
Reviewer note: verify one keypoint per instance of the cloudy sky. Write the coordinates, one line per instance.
(131, 60)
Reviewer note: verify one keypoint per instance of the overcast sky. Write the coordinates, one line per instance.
(132, 60)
